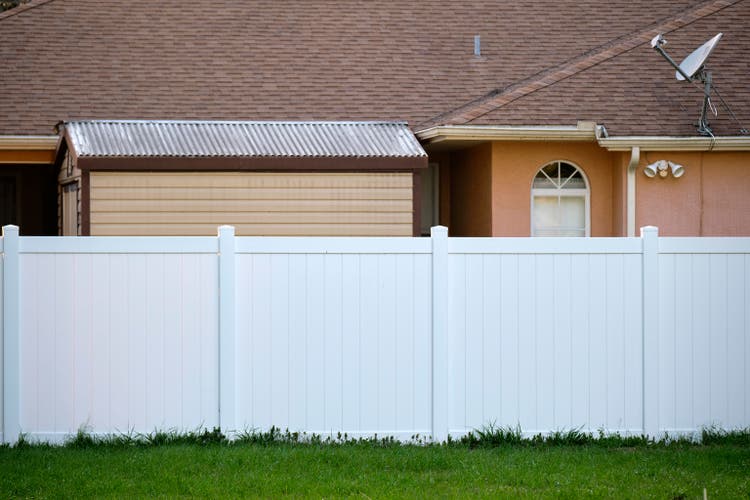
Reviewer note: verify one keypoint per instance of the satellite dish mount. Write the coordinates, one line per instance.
(693, 69)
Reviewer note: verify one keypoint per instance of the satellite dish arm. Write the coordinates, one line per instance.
(656, 44)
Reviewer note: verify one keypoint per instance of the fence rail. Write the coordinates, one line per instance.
(389, 336)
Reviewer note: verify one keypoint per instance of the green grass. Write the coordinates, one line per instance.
(203, 464)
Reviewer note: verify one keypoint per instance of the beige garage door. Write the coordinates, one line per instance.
(270, 204)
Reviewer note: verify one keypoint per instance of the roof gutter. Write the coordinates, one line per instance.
(28, 142)
(651, 143)
(583, 131)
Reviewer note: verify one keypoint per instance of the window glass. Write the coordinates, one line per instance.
(559, 201)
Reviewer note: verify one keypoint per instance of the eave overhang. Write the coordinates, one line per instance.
(456, 136)
(32, 149)
(584, 131)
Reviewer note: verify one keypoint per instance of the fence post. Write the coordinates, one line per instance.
(227, 339)
(650, 341)
(439, 236)
(11, 337)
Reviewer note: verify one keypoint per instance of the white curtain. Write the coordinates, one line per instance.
(559, 216)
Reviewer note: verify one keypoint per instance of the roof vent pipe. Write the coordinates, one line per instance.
(477, 46)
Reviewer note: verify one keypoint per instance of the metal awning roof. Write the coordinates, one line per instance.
(251, 139)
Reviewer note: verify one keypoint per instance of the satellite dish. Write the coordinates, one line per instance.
(693, 68)
(693, 63)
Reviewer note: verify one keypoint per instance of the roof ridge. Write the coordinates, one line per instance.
(502, 96)
(22, 8)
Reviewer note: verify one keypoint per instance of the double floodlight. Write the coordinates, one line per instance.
(662, 168)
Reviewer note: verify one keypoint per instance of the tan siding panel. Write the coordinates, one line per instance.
(250, 180)
(278, 204)
(183, 206)
(226, 193)
(253, 229)
(218, 218)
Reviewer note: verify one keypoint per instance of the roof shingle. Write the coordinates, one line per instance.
(310, 60)
(635, 92)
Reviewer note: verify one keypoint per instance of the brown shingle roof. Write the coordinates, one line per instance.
(631, 89)
(297, 59)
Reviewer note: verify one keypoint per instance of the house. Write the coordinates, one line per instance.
(537, 118)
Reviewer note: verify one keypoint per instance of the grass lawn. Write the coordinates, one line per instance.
(279, 468)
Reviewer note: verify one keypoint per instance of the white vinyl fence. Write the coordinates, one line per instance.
(389, 336)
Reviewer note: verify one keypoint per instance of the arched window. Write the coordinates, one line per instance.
(560, 201)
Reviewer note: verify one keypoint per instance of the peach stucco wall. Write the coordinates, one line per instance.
(471, 191)
(712, 198)
(489, 192)
(514, 165)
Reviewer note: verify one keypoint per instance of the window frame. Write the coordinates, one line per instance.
(561, 192)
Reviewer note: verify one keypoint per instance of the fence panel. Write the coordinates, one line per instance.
(704, 333)
(117, 341)
(328, 335)
(545, 334)
(335, 340)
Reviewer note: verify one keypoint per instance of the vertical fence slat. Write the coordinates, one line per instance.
(332, 341)
(456, 341)
(545, 326)
(491, 375)
(633, 348)
(509, 368)
(368, 347)
(315, 353)
(527, 373)
(615, 322)
(11, 338)
(563, 353)
(580, 345)
(736, 368)
(279, 378)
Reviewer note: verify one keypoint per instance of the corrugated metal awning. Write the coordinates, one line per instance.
(252, 139)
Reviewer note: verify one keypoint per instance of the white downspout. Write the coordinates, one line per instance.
(635, 157)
